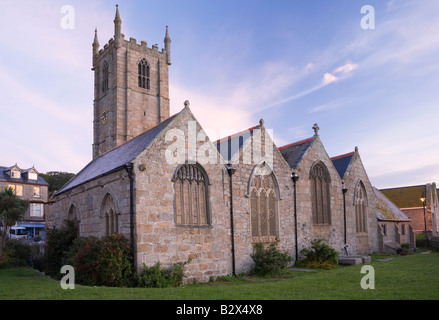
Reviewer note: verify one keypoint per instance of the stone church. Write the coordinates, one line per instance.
(160, 181)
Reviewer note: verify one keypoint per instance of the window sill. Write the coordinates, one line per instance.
(194, 226)
(33, 218)
(265, 239)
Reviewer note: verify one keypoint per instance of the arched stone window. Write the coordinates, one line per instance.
(320, 194)
(89, 202)
(263, 204)
(144, 74)
(360, 208)
(105, 77)
(74, 217)
(110, 215)
(191, 198)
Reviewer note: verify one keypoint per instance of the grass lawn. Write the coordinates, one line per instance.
(412, 277)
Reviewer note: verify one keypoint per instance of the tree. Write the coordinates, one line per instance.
(12, 210)
(56, 179)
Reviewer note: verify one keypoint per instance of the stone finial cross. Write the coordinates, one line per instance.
(316, 129)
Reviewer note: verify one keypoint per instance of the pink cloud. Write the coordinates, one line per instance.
(329, 78)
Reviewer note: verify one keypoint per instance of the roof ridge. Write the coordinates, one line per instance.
(296, 143)
(405, 187)
(343, 155)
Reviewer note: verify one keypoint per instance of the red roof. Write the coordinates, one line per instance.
(296, 143)
(343, 156)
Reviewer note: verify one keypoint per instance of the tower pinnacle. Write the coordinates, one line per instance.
(95, 42)
(117, 24)
(168, 47)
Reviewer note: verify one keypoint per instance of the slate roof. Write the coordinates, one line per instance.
(229, 147)
(23, 177)
(116, 158)
(294, 152)
(405, 197)
(386, 210)
(342, 163)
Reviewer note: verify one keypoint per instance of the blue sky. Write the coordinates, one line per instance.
(292, 63)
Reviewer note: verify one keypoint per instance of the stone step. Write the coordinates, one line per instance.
(349, 260)
(353, 260)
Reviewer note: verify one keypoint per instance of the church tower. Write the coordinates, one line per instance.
(131, 88)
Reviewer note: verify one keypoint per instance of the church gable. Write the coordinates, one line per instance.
(305, 155)
(253, 147)
(359, 200)
(180, 208)
(262, 190)
(185, 141)
(319, 192)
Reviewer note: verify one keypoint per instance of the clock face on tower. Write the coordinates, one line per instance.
(104, 116)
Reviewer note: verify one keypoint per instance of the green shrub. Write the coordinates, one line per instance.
(157, 277)
(404, 250)
(58, 243)
(84, 257)
(270, 261)
(320, 256)
(115, 261)
(106, 261)
(15, 254)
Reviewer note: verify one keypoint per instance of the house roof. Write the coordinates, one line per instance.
(342, 163)
(116, 158)
(405, 197)
(386, 210)
(294, 152)
(4, 176)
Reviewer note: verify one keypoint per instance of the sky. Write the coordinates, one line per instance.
(366, 71)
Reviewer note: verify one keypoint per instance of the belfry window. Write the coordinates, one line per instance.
(105, 77)
(144, 74)
(191, 199)
(320, 196)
